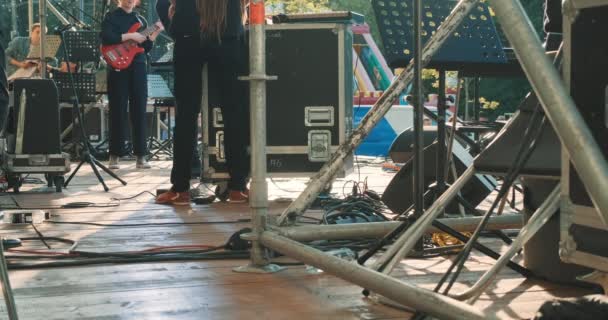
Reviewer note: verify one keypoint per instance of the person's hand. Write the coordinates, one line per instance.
(26, 64)
(160, 26)
(172, 9)
(137, 37)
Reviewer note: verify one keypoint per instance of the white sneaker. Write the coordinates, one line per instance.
(142, 163)
(113, 164)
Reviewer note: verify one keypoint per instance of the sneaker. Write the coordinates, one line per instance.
(174, 198)
(113, 164)
(142, 163)
(238, 196)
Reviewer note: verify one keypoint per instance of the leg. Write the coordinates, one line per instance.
(118, 99)
(137, 107)
(188, 91)
(235, 108)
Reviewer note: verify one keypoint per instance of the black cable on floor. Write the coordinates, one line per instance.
(150, 224)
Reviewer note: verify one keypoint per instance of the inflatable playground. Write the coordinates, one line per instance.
(371, 77)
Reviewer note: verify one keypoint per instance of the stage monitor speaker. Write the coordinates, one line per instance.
(41, 123)
(398, 196)
(402, 148)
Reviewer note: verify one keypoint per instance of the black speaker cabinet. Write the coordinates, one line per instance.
(309, 107)
(39, 117)
(398, 196)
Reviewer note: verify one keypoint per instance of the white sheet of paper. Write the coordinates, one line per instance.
(23, 73)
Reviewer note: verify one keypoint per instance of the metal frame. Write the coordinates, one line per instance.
(559, 107)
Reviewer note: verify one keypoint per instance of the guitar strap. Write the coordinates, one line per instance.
(142, 21)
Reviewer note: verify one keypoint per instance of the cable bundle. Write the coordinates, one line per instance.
(356, 208)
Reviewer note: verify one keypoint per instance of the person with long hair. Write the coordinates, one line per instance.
(128, 88)
(209, 32)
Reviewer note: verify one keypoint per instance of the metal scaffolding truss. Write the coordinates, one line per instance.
(559, 107)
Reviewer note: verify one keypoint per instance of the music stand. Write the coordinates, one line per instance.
(51, 46)
(160, 92)
(81, 47)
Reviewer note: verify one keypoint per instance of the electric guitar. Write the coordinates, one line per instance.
(120, 56)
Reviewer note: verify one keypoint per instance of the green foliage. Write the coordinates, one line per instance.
(300, 6)
(509, 92)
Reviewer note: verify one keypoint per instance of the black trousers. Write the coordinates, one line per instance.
(128, 90)
(226, 61)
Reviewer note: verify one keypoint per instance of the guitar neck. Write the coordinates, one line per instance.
(149, 31)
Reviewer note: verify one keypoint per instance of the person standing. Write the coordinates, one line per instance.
(127, 88)
(209, 32)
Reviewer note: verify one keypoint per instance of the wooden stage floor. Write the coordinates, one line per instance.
(210, 289)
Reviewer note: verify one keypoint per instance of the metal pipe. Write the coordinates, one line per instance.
(15, 26)
(42, 19)
(259, 188)
(569, 125)
(421, 299)
(378, 229)
(540, 217)
(7, 291)
(57, 14)
(441, 160)
(418, 195)
(329, 170)
(404, 244)
(30, 14)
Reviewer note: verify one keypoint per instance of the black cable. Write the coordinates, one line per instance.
(40, 236)
(135, 196)
(150, 224)
(95, 261)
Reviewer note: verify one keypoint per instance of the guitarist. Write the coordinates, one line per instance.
(127, 88)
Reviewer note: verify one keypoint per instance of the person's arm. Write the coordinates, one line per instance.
(162, 10)
(109, 36)
(12, 53)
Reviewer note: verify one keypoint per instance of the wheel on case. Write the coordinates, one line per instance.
(59, 181)
(49, 180)
(14, 181)
(221, 191)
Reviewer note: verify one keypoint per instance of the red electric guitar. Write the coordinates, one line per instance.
(120, 56)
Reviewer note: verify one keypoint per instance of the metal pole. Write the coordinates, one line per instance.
(418, 114)
(30, 14)
(476, 99)
(258, 200)
(569, 125)
(11, 307)
(15, 26)
(42, 19)
(540, 217)
(441, 137)
(404, 244)
(259, 187)
(396, 290)
(329, 170)
(57, 14)
(378, 229)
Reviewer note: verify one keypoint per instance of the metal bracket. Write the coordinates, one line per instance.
(269, 268)
(597, 277)
(567, 244)
(570, 10)
(258, 77)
